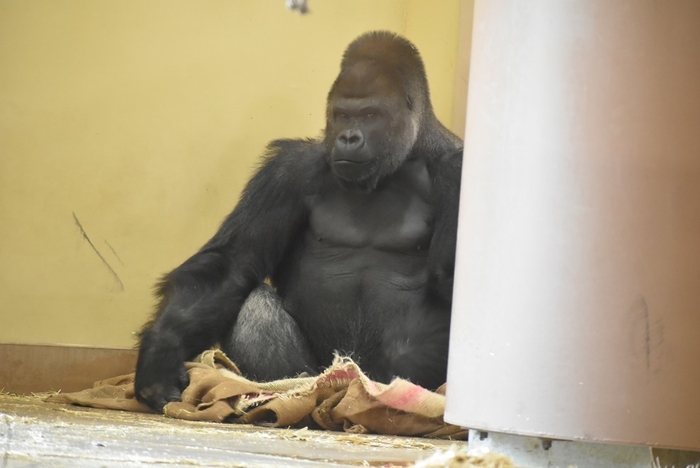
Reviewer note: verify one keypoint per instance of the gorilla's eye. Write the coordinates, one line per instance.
(341, 116)
(370, 115)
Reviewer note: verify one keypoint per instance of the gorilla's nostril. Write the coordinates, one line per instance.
(351, 139)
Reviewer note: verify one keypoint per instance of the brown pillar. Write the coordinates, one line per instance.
(577, 293)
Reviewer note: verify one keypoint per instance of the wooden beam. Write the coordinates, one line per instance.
(34, 368)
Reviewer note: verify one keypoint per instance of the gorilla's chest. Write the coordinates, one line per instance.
(396, 216)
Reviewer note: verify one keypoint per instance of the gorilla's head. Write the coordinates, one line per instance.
(376, 108)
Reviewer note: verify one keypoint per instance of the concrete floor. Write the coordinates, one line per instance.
(34, 433)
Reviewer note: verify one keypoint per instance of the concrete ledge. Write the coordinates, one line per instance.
(534, 452)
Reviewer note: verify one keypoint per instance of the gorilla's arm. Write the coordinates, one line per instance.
(446, 175)
(200, 300)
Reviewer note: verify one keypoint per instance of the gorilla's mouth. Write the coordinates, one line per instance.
(351, 162)
(352, 169)
(355, 175)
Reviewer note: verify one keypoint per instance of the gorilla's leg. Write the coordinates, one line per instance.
(415, 348)
(266, 342)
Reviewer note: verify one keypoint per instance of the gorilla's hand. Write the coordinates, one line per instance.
(160, 372)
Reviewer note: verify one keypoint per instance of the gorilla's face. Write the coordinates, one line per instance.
(370, 125)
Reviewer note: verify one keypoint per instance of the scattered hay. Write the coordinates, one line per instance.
(460, 457)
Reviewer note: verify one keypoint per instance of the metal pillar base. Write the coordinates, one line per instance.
(533, 452)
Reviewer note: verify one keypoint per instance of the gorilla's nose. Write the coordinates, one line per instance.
(350, 140)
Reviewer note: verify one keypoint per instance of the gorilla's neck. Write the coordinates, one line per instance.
(357, 187)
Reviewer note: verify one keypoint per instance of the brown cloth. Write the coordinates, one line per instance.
(342, 398)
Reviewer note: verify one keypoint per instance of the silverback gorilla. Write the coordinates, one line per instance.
(355, 231)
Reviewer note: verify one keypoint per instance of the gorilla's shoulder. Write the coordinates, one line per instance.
(447, 160)
(296, 161)
(297, 151)
(453, 156)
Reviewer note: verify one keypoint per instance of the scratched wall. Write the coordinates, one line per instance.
(127, 130)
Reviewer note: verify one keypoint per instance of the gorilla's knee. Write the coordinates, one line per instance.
(266, 343)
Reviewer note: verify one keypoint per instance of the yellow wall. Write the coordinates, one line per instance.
(143, 120)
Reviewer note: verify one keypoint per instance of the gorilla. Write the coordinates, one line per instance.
(342, 244)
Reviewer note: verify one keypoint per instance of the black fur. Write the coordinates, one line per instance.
(356, 231)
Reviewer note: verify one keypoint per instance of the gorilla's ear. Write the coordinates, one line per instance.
(409, 102)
